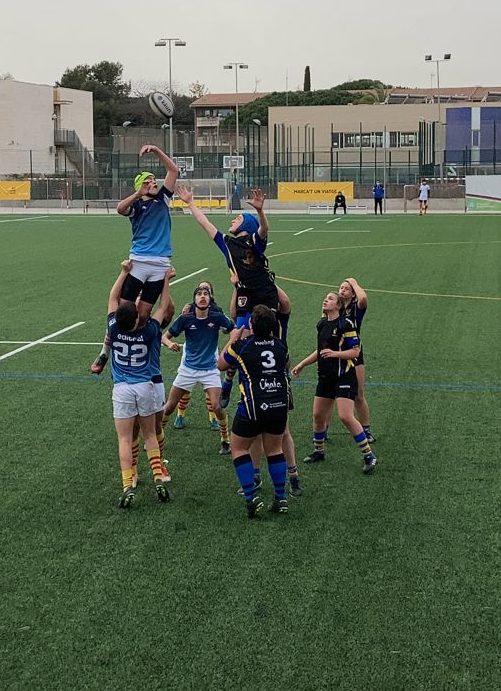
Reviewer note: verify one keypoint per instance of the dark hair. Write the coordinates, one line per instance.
(263, 321)
(211, 289)
(126, 316)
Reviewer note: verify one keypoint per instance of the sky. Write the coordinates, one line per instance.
(276, 38)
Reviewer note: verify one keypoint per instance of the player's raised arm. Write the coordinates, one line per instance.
(257, 202)
(360, 293)
(199, 216)
(124, 206)
(114, 297)
(172, 171)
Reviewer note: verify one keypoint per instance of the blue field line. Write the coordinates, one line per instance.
(463, 387)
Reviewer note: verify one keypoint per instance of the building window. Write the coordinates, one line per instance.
(475, 137)
(337, 140)
(408, 139)
(377, 139)
(366, 139)
(394, 140)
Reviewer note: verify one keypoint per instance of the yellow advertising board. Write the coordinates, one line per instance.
(313, 191)
(15, 190)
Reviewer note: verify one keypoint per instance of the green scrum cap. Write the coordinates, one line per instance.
(142, 177)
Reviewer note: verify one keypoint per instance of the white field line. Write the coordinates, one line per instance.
(333, 220)
(303, 231)
(18, 220)
(78, 343)
(40, 340)
(270, 243)
(183, 278)
(342, 231)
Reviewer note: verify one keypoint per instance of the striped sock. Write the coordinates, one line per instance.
(183, 404)
(155, 463)
(245, 474)
(362, 443)
(223, 426)
(126, 478)
(212, 415)
(277, 467)
(319, 441)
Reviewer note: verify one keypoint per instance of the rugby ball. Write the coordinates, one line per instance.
(161, 104)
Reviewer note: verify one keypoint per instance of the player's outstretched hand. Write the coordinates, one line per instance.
(126, 265)
(148, 149)
(296, 370)
(184, 193)
(257, 199)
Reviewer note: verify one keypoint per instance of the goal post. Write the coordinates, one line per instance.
(210, 195)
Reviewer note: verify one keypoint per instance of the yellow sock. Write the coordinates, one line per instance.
(212, 415)
(155, 463)
(223, 426)
(161, 444)
(183, 403)
(126, 478)
(135, 455)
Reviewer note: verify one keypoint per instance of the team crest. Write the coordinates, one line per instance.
(242, 300)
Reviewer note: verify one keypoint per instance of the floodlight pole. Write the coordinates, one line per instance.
(236, 66)
(437, 61)
(161, 43)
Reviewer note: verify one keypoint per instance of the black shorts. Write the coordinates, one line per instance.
(248, 298)
(338, 387)
(150, 291)
(272, 423)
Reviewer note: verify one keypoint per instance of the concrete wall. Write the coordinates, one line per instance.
(26, 125)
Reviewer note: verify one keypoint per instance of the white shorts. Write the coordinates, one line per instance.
(141, 399)
(187, 378)
(150, 268)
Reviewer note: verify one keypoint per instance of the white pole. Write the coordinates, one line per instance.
(236, 110)
(83, 179)
(171, 133)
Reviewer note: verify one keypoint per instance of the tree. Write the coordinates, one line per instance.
(307, 79)
(197, 90)
(6, 76)
(104, 79)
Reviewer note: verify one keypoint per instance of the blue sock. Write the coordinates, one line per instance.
(245, 474)
(319, 441)
(277, 467)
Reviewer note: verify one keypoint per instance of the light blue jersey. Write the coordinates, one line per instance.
(135, 355)
(151, 226)
(202, 337)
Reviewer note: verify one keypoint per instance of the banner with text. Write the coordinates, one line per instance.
(15, 190)
(313, 191)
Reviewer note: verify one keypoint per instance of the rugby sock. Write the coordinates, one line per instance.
(319, 441)
(161, 444)
(223, 426)
(155, 463)
(183, 404)
(292, 470)
(362, 442)
(277, 467)
(126, 478)
(367, 429)
(212, 415)
(245, 474)
(135, 454)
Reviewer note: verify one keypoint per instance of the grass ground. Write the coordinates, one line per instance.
(384, 582)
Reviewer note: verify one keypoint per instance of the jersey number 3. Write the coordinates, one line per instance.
(268, 359)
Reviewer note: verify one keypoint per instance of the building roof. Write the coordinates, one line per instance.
(225, 100)
(456, 94)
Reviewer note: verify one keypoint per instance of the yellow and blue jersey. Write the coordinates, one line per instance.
(245, 256)
(336, 334)
(263, 383)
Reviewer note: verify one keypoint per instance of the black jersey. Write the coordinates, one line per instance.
(355, 314)
(245, 256)
(262, 369)
(337, 334)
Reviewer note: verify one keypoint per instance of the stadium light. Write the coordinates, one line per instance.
(437, 61)
(162, 43)
(236, 66)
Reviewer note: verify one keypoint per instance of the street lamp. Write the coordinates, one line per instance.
(236, 66)
(437, 61)
(257, 123)
(162, 43)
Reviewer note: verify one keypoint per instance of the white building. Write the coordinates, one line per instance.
(44, 129)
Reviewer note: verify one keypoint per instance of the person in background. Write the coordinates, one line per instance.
(423, 197)
(378, 194)
(340, 200)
